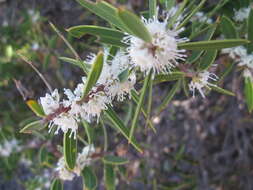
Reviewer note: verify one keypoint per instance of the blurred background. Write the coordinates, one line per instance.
(200, 143)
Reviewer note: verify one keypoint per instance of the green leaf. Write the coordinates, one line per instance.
(197, 54)
(89, 178)
(35, 107)
(186, 20)
(208, 59)
(119, 125)
(94, 73)
(248, 91)
(212, 44)
(169, 96)
(152, 8)
(135, 25)
(109, 174)
(89, 131)
(56, 185)
(179, 11)
(168, 77)
(139, 105)
(114, 160)
(228, 28)
(80, 64)
(112, 41)
(135, 97)
(222, 91)
(69, 150)
(250, 32)
(105, 11)
(33, 127)
(43, 156)
(113, 36)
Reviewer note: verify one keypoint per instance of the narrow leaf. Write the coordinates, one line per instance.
(109, 174)
(186, 20)
(135, 97)
(89, 178)
(212, 44)
(89, 130)
(114, 160)
(250, 32)
(168, 77)
(33, 127)
(35, 107)
(80, 64)
(69, 150)
(105, 11)
(222, 91)
(248, 91)
(169, 96)
(94, 74)
(56, 185)
(197, 53)
(152, 8)
(228, 28)
(208, 59)
(135, 25)
(119, 125)
(139, 105)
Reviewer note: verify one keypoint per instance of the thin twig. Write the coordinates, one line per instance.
(65, 40)
(37, 71)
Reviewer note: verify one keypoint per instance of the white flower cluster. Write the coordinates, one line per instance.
(201, 17)
(162, 54)
(242, 14)
(201, 81)
(67, 113)
(8, 147)
(239, 55)
(83, 159)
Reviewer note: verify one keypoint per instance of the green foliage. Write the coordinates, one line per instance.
(69, 150)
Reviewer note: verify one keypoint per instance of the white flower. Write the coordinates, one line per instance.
(236, 52)
(8, 147)
(50, 103)
(34, 15)
(63, 172)
(247, 74)
(201, 17)
(201, 81)
(162, 54)
(63, 120)
(242, 14)
(83, 159)
(35, 46)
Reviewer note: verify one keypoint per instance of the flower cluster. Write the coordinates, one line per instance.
(83, 159)
(8, 147)
(242, 14)
(67, 113)
(201, 81)
(239, 55)
(162, 54)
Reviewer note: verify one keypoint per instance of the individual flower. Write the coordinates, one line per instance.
(242, 58)
(235, 53)
(201, 81)
(8, 147)
(242, 14)
(83, 159)
(162, 54)
(57, 114)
